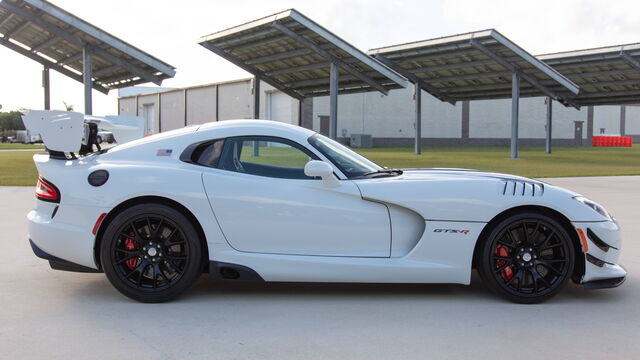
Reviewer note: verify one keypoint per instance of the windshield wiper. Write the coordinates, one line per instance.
(384, 171)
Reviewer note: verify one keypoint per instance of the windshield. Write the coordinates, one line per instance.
(348, 161)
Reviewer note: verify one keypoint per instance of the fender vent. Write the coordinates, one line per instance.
(522, 188)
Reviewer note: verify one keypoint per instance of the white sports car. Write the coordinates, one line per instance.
(262, 200)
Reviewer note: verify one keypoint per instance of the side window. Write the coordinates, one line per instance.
(265, 156)
(208, 154)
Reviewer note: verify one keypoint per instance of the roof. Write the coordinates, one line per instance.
(475, 66)
(55, 38)
(606, 76)
(293, 54)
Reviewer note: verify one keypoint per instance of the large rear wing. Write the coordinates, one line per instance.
(66, 132)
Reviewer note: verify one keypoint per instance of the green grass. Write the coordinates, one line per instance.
(275, 156)
(9, 146)
(17, 168)
(533, 162)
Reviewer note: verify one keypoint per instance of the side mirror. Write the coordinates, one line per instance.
(323, 170)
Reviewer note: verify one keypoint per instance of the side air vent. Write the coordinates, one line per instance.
(595, 261)
(522, 188)
(595, 239)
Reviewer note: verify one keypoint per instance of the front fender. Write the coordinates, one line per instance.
(480, 199)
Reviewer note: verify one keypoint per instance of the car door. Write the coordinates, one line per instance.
(264, 203)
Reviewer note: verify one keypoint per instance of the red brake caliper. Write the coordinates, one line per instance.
(130, 244)
(507, 272)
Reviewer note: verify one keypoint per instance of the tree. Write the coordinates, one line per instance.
(68, 107)
(11, 120)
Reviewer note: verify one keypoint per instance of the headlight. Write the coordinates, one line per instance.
(594, 206)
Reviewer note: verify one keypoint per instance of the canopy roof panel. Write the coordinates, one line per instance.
(55, 38)
(606, 76)
(475, 66)
(293, 54)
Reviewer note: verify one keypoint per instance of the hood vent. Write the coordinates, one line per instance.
(522, 188)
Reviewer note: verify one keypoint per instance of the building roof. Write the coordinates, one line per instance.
(606, 76)
(293, 54)
(55, 38)
(475, 66)
(126, 93)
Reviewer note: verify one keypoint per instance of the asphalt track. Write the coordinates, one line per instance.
(61, 315)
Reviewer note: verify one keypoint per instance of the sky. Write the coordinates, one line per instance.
(170, 31)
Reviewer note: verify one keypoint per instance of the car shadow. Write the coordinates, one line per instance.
(205, 290)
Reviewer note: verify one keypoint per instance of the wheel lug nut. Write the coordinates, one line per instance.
(146, 257)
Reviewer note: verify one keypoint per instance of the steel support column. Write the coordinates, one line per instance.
(184, 103)
(45, 85)
(256, 97)
(418, 140)
(256, 110)
(159, 112)
(515, 105)
(333, 100)
(549, 124)
(623, 120)
(86, 79)
(590, 123)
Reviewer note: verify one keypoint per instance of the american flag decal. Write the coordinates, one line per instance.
(164, 152)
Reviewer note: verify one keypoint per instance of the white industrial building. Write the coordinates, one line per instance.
(388, 119)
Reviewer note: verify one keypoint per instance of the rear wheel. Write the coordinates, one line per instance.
(527, 258)
(151, 253)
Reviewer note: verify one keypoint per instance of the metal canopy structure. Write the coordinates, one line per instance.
(476, 66)
(606, 76)
(302, 59)
(63, 42)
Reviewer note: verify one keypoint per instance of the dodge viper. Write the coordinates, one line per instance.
(266, 201)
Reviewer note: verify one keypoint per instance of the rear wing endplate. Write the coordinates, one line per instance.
(71, 132)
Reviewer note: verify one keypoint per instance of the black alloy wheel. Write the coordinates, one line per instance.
(527, 258)
(151, 253)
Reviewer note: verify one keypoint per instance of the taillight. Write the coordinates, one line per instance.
(46, 191)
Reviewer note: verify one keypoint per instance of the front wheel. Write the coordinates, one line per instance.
(151, 253)
(527, 258)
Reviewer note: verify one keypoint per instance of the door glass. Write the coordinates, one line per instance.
(265, 156)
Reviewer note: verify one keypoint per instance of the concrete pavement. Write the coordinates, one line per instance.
(60, 315)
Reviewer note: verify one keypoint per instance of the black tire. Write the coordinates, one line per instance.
(99, 140)
(527, 258)
(153, 265)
